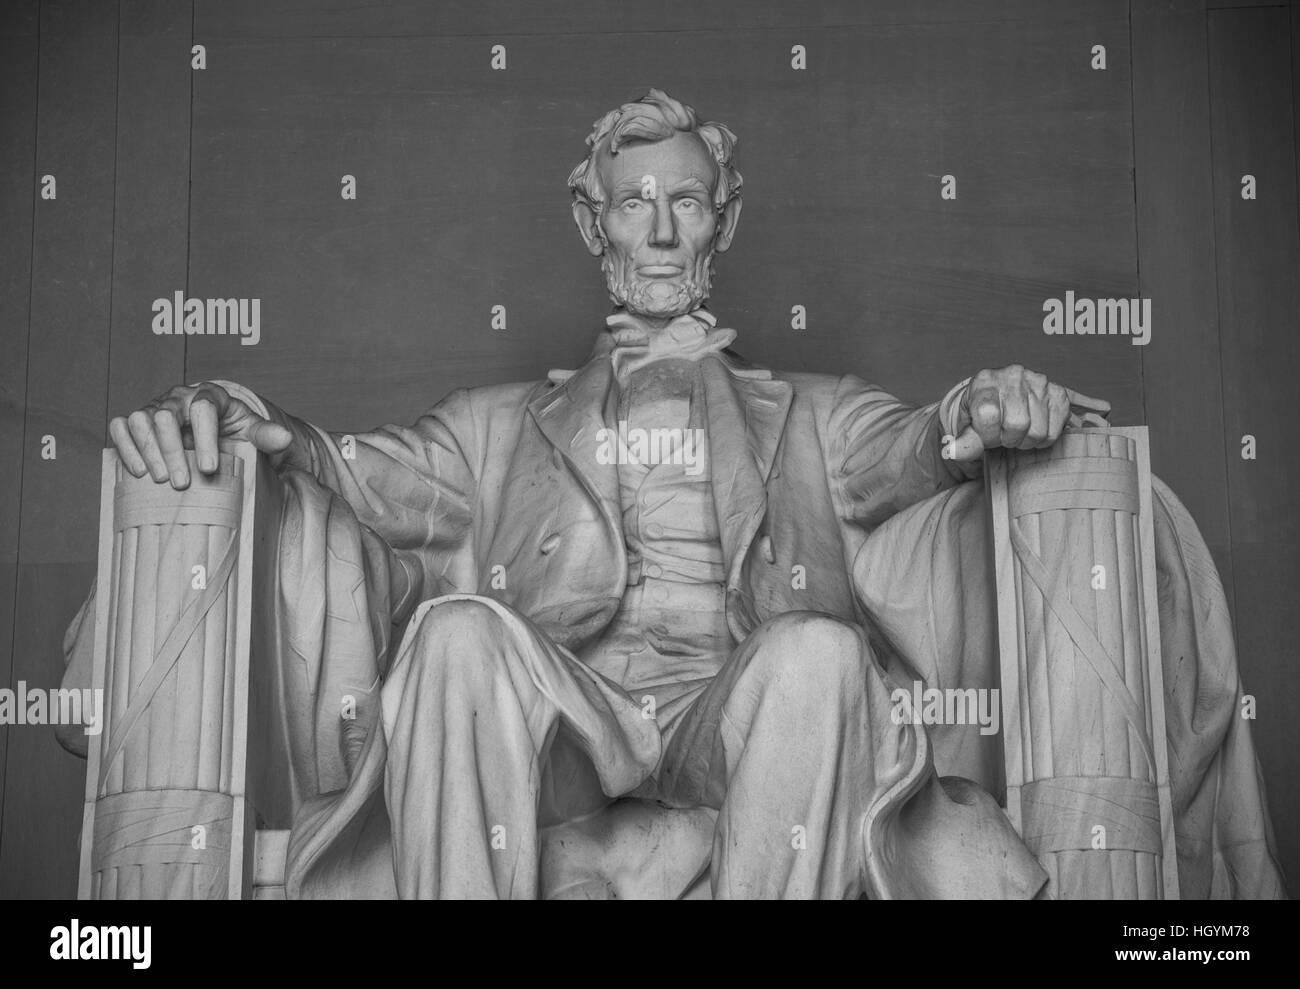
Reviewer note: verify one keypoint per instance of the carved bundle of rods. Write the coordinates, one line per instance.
(1082, 690)
(163, 808)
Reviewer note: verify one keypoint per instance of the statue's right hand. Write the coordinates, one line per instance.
(154, 439)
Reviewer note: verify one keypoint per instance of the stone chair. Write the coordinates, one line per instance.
(185, 788)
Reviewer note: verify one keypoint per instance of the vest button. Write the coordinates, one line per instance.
(654, 530)
(654, 570)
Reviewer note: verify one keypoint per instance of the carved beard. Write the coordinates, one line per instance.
(658, 298)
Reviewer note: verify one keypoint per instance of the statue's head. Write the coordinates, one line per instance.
(655, 198)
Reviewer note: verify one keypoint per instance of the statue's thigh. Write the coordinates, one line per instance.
(793, 659)
(465, 653)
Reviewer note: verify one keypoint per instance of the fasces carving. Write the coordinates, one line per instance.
(1087, 769)
(167, 813)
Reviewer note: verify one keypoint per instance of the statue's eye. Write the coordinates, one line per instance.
(633, 206)
(687, 205)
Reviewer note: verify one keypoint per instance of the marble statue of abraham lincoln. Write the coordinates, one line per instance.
(557, 613)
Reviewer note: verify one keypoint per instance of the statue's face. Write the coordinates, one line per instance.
(659, 228)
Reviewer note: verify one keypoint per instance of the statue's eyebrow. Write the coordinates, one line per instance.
(688, 185)
(631, 186)
(627, 186)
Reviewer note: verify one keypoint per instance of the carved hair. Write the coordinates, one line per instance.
(655, 117)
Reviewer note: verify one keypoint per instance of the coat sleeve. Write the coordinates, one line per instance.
(414, 486)
(885, 456)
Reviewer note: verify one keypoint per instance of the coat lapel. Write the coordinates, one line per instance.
(746, 420)
(559, 538)
(571, 416)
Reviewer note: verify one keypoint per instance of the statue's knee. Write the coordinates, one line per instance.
(465, 634)
(460, 616)
(818, 635)
(811, 651)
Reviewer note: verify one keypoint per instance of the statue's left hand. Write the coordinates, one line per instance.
(1015, 408)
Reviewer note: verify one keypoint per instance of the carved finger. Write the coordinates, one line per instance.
(1058, 407)
(140, 423)
(1082, 401)
(1015, 418)
(967, 446)
(120, 434)
(1036, 436)
(269, 437)
(212, 392)
(204, 427)
(168, 430)
(986, 415)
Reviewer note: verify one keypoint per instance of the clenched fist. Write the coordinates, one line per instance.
(1015, 408)
(193, 417)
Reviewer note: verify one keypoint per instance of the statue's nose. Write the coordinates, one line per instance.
(665, 230)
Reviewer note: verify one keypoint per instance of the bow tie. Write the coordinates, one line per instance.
(631, 343)
(634, 344)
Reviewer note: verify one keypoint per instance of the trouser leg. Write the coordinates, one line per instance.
(781, 744)
(471, 707)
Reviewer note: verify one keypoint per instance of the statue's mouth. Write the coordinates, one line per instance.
(660, 270)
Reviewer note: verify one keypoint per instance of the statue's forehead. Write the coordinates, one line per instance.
(681, 157)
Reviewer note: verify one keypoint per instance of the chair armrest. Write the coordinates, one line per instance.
(188, 761)
(1079, 646)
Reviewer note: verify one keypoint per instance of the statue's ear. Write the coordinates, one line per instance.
(727, 222)
(588, 221)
